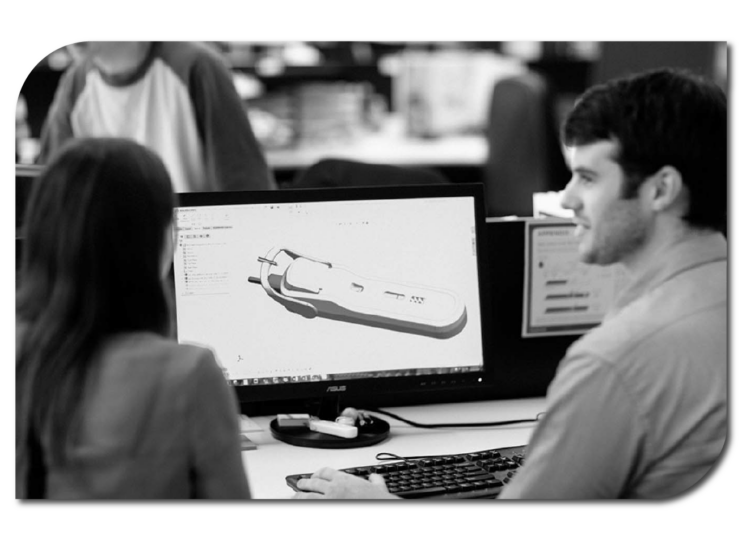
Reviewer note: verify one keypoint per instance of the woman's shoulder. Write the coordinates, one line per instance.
(152, 351)
(155, 365)
(154, 346)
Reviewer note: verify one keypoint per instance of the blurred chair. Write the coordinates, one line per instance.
(348, 173)
(524, 150)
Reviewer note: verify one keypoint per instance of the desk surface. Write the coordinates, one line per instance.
(389, 146)
(269, 464)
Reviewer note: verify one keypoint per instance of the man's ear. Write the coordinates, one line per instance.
(667, 190)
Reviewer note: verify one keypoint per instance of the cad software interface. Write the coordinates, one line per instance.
(330, 290)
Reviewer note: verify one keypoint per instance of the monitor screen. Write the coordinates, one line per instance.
(373, 295)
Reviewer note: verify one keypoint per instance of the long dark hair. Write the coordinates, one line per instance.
(91, 268)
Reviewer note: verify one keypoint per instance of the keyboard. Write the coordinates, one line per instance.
(474, 475)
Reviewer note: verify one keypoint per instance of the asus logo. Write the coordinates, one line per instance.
(336, 388)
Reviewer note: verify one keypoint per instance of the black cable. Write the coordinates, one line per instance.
(388, 456)
(465, 424)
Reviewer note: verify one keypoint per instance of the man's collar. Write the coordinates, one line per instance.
(695, 249)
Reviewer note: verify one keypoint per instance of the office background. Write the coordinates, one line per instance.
(309, 99)
(360, 100)
(458, 111)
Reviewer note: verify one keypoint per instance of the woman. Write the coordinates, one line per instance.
(106, 405)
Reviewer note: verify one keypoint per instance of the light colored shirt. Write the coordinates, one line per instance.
(638, 406)
(158, 422)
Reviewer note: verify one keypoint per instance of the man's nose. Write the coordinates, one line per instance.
(570, 200)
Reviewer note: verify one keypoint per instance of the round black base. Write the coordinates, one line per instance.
(368, 434)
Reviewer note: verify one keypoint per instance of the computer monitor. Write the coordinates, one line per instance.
(316, 300)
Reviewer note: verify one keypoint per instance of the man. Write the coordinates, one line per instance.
(177, 98)
(638, 407)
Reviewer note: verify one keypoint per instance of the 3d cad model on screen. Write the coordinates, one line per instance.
(315, 288)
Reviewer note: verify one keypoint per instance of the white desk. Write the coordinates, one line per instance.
(269, 464)
(389, 146)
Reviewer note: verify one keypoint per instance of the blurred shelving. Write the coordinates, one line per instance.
(310, 99)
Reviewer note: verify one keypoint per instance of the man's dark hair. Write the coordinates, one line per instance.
(658, 118)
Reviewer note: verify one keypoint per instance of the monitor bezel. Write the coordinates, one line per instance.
(313, 397)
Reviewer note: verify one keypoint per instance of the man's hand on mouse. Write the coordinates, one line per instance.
(329, 483)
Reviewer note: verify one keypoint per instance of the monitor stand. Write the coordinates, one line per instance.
(370, 433)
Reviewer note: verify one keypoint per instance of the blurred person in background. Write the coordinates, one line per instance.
(177, 98)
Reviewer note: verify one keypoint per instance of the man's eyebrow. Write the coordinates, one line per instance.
(584, 170)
